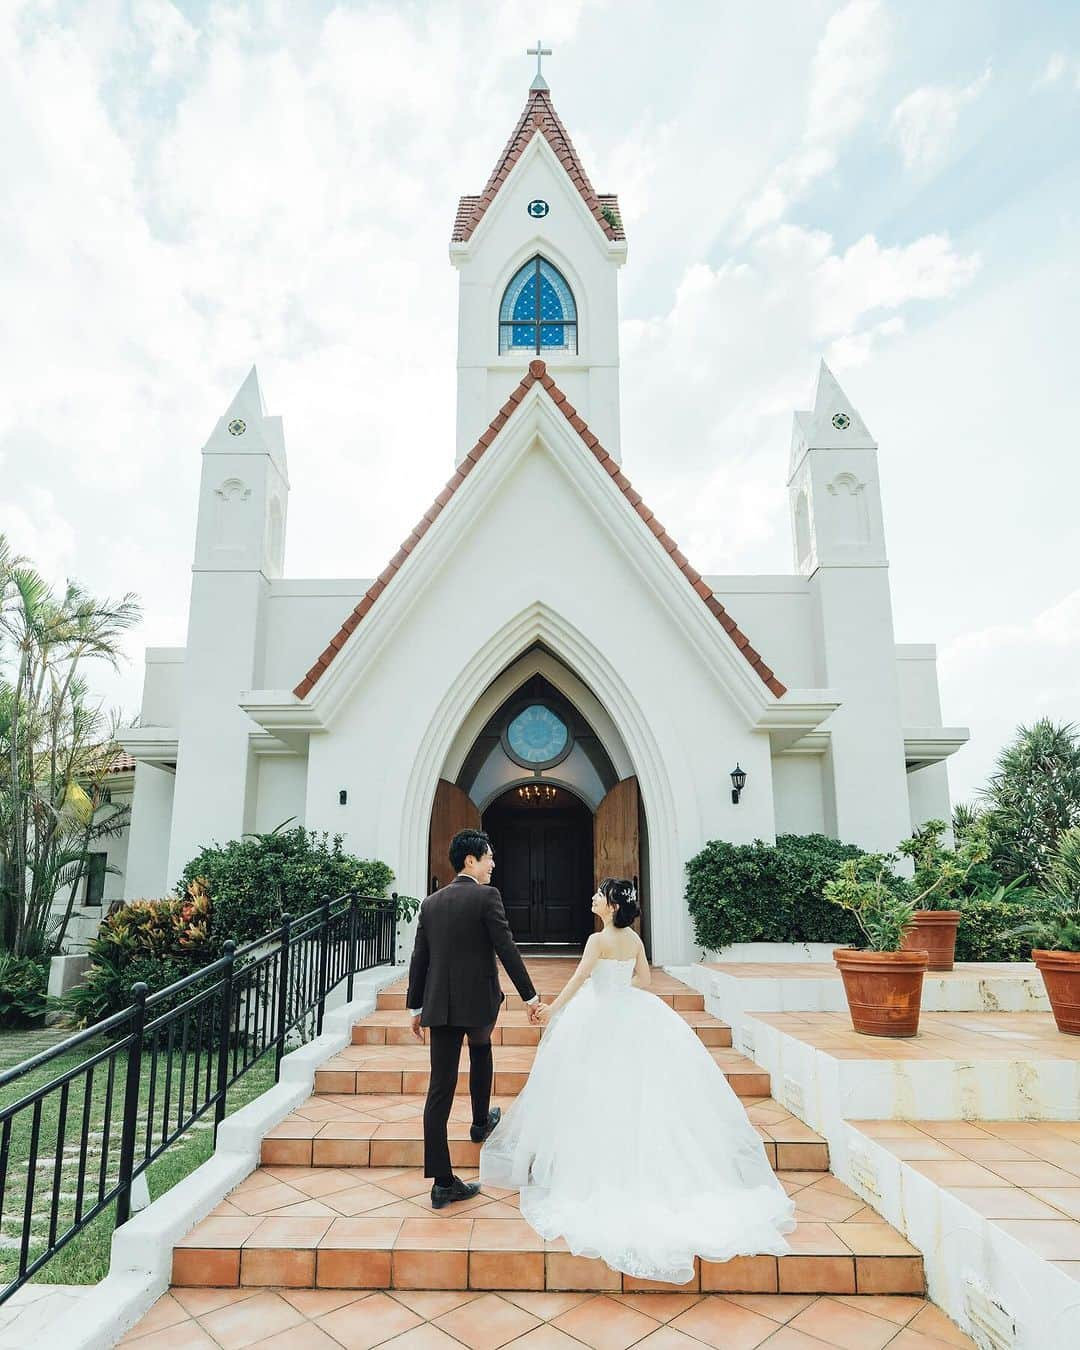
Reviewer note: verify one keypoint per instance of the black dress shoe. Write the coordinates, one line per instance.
(457, 1190)
(478, 1133)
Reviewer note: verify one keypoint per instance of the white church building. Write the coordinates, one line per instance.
(590, 712)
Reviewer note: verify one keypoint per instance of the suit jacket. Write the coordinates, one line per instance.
(453, 974)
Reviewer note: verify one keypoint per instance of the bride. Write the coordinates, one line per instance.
(627, 1140)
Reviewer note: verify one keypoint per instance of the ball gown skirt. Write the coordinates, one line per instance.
(628, 1141)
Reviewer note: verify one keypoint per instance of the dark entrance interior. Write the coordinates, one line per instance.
(543, 841)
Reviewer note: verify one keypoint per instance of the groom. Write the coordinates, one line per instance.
(454, 991)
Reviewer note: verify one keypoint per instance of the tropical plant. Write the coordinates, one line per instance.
(1057, 926)
(56, 746)
(1032, 798)
(762, 892)
(155, 941)
(866, 888)
(253, 881)
(942, 874)
(24, 982)
(987, 931)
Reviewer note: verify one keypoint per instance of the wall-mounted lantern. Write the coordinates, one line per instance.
(343, 796)
(738, 782)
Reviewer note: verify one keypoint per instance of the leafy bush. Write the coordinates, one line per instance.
(155, 941)
(943, 876)
(986, 920)
(24, 983)
(1056, 925)
(770, 893)
(253, 881)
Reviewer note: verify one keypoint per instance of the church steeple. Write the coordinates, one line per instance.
(538, 252)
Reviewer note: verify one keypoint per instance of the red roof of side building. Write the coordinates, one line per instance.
(537, 373)
(539, 115)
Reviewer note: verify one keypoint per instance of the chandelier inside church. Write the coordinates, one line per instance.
(537, 792)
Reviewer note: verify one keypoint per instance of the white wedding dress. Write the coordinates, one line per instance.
(628, 1141)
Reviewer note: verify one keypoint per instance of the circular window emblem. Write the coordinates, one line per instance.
(537, 737)
(841, 421)
(237, 427)
(537, 208)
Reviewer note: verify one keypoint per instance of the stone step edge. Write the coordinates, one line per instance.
(749, 1082)
(797, 1155)
(541, 1271)
(394, 1001)
(714, 1033)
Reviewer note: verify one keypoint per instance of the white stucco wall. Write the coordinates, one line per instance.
(301, 618)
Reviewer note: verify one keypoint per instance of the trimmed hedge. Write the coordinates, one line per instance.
(984, 918)
(769, 893)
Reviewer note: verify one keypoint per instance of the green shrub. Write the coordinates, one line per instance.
(153, 941)
(983, 934)
(253, 881)
(769, 893)
(865, 888)
(24, 983)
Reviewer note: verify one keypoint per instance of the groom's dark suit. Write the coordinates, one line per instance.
(453, 979)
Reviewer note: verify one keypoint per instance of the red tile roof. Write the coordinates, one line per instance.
(537, 373)
(539, 115)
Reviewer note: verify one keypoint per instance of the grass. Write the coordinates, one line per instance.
(85, 1259)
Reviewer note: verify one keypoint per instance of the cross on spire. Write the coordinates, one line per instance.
(539, 51)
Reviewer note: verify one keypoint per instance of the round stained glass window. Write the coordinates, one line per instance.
(537, 737)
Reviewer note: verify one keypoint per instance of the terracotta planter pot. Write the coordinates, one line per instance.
(884, 989)
(1061, 975)
(933, 931)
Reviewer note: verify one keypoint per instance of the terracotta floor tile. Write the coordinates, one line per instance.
(605, 1324)
(660, 1307)
(369, 1322)
(426, 1337)
(778, 1307)
(816, 1274)
(315, 1302)
(873, 1239)
(429, 1269)
(565, 1271)
(504, 1235)
(306, 1337)
(742, 1275)
(434, 1235)
(1057, 1240)
(816, 1239)
(787, 1338)
(915, 1340)
(184, 1336)
(271, 1266)
(166, 1312)
(1063, 1199)
(889, 1275)
(723, 1324)
(293, 1233)
(962, 1173)
(200, 1301)
(546, 1305)
(487, 1322)
(897, 1308)
(505, 1270)
(352, 1268)
(206, 1267)
(254, 1319)
(220, 1233)
(366, 1230)
(842, 1325)
(1005, 1202)
(1035, 1173)
(432, 1303)
(545, 1337)
(931, 1321)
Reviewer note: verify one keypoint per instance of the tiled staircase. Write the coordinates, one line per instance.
(340, 1200)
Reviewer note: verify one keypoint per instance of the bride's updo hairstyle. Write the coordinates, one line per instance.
(622, 894)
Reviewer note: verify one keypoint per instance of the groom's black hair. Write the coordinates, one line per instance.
(465, 842)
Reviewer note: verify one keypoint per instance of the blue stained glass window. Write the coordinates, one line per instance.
(538, 311)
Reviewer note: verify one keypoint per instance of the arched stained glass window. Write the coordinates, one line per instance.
(538, 311)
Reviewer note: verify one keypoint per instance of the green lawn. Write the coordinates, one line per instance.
(85, 1259)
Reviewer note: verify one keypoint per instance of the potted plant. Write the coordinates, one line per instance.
(940, 875)
(1058, 928)
(883, 983)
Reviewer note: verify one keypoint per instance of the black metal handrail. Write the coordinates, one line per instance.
(162, 1073)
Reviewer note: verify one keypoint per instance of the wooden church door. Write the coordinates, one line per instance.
(617, 837)
(453, 810)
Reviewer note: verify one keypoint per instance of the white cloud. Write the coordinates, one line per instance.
(924, 123)
(1059, 69)
(849, 61)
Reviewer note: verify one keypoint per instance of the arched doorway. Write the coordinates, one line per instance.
(542, 837)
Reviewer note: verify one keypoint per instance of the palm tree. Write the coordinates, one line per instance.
(55, 744)
(1033, 797)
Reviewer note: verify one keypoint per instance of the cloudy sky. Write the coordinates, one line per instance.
(191, 187)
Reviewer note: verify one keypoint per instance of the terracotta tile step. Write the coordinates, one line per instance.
(344, 1135)
(404, 1069)
(680, 997)
(347, 1238)
(390, 1026)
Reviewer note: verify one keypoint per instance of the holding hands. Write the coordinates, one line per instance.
(538, 1013)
